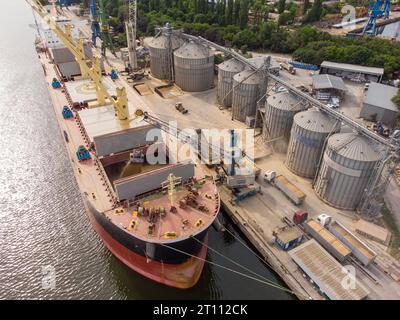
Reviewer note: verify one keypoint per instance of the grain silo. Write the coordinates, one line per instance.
(245, 94)
(194, 67)
(226, 71)
(161, 49)
(307, 136)
(280, 109)
(347, 165)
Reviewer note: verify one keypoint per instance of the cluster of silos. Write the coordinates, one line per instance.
(307, 137)
(280, 109)
(247, 90)
(347, 165)
(161, 49)
(194, 67)
(226, 71)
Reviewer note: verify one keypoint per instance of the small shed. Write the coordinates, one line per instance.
(325, 85)
(372, 231)
(288, 238)
(378, 105)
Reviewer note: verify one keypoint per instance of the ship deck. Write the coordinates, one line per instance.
(177, 223)
(87, 173)
(97, 184)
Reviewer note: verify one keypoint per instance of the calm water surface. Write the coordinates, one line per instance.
(42, 221)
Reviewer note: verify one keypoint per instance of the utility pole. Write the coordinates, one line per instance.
(130, 26)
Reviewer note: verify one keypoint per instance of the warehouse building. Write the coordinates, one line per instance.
(326, 86)
(325, 272)
(352, 72)
(378, 105)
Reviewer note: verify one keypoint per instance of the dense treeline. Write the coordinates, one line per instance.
(244, 24)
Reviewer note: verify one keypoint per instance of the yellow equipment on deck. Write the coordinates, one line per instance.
(77, 49)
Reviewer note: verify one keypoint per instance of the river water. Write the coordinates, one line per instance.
(43, 227)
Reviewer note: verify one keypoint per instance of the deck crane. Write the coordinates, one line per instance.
(379, 8)
(130, 26)
(95, 25)
(120, 103)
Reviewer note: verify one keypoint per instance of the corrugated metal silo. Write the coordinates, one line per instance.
(347, 165)
(160, 59)
(194, 67)
(245, 94)
(280, 109)
(226, 71)
(309, 131)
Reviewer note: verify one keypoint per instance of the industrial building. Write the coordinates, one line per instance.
(280, 109)
(352, 72)
(226, 71)
(378, 105)
(194, 67)
(372, 231)
(326, 86)
(347, 165)
(161, 48)
(309, 131)
(247, 90)
(325, 272)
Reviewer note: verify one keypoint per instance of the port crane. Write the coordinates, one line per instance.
(379, 8)
(100, 26)
(120, 103)
(95, 25)
(130, 26)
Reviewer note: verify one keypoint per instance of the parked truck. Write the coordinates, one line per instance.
(283, 184)
(288, 67)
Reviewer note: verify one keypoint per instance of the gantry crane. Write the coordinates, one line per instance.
(379, 8)
(106, 41)
(95, 25)
(130, 26)
(120, 103)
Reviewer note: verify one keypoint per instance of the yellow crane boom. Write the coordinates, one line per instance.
(94, 72)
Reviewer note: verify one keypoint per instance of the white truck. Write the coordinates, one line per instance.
(283, 184)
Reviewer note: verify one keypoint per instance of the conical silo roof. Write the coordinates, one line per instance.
(192, 50)
(354, 146)
(247, 77)
(231, 65)
(284, 101)
(314, 120)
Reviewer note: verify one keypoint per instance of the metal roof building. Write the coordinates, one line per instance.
(325, 272)
(378, 101)
(352, 71)
(326, 81)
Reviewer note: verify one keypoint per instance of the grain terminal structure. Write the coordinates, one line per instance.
(309, 131)
(161, 49)
(348, 162)
(246, 92)
(280, 109)
(194, 67)
(226, 71)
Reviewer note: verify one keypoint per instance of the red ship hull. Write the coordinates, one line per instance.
(182, 275)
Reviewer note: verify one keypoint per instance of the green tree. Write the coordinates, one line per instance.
(243, 14)
(229, 12)
(281, 6)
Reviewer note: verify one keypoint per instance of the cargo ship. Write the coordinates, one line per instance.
(153, 217)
